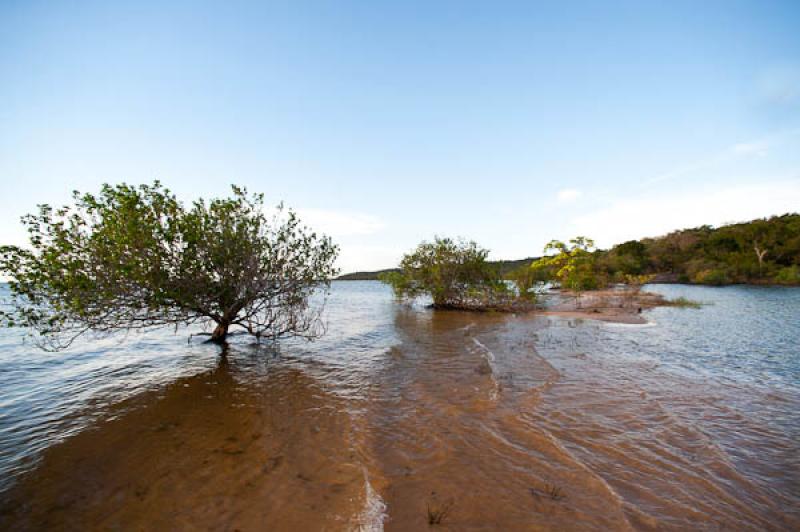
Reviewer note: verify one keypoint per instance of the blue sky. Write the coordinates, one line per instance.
(510, 123)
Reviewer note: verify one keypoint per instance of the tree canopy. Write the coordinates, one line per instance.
(454, 273)
(135, 258)
(765, 250)
(572, 265)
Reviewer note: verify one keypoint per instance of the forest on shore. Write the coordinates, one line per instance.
(761, 251)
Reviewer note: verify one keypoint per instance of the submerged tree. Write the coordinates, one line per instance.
(455, 274)
(530, 282)
(135, 258)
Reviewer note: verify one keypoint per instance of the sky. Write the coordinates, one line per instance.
(385, 123)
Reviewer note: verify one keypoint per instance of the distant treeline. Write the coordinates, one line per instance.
(365, 276)
(505, 267)
(763, 251)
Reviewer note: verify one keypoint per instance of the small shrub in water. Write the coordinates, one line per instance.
(550, 490)
(684, 302)
(438, 511)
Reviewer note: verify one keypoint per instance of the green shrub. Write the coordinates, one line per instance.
(716, 277)
(526, 280)
(684, 302)
(573, 266)
(788, 275)
(455, 274)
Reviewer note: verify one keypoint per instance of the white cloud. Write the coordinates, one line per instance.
(757, 148)
(353, 257)
(347, 229)
(657, 214)
(568, 195)
(340, 223)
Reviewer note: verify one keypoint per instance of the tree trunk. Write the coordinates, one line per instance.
(220, 332)
(760, 254)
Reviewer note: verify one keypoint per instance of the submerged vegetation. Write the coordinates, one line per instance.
(550, 491)
(454, 274)
(438, 511)
(684, 302)
(135, 258)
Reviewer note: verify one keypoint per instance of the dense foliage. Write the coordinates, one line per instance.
(135, 257)
(455, 274)
(760, 251)
(572, 265)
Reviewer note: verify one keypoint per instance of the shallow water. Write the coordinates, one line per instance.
(502, 422)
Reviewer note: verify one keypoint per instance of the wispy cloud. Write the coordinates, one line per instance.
(741, 150)
(757, 148)
(354, 257)
(340, 223)
(348, 229)
(648, 215)
(568, 195)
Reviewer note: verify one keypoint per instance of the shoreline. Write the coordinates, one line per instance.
(608, 305)
(608, 316)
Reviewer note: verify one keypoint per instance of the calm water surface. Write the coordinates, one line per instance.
(505, 422)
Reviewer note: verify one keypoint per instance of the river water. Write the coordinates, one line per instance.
(401, 414)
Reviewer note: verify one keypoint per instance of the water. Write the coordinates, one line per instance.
(505, 422)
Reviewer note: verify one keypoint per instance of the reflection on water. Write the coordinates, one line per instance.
(508, 422)
(200, 454)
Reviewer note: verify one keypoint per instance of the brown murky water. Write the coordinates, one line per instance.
(499, 422)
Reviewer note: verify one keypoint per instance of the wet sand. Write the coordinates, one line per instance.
(209, 453)
(610, 305)
(608, 315)
(507, 422)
